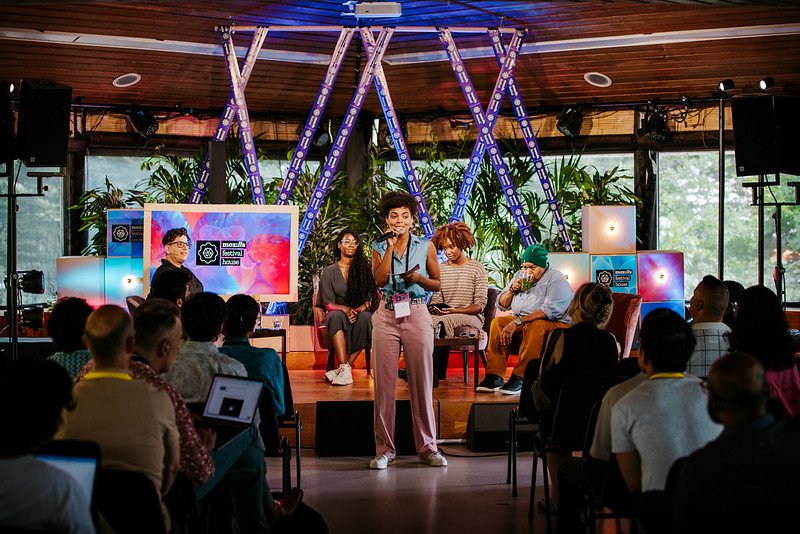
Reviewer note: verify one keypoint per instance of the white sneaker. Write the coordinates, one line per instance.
(380, 462)
(333, 373)
(435, 459)
(345, 376)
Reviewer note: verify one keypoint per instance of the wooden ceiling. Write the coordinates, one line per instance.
(650, 49)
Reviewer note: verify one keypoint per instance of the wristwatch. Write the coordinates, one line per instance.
(518, 321)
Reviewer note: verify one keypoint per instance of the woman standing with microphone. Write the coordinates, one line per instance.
(406, 269)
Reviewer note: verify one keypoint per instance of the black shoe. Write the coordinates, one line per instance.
(491, 383)
(402, 374)
(513, 386)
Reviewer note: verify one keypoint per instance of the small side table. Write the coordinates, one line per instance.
(273, 332)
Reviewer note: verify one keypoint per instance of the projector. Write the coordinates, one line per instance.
(374, 9)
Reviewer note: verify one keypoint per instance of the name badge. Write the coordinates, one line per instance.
(402, 305)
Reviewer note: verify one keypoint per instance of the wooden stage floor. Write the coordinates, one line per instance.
(452, 399)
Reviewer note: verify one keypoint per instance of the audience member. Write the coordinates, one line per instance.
(263, 363)
(707, 308)
(538, 296)
(405, 268)
(34, 495)
(663, 419)
(347, 291)
(462, 296)
(760, 329)
(734, 290)
(746, 479)
(65, 327)
(133, 422)
(172, 285)
(199, 360)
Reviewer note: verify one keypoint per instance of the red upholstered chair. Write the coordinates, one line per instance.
(624, 321)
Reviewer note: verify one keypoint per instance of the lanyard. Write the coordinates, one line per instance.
(656, 376)
(391, 269)
(107, 374)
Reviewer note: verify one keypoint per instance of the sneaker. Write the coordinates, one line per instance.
(380, 462)
(490, 383)
(345, 376)
(435, 459)
(513, 386)
(330, 375)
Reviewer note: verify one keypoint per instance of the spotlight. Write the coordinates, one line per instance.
(654, 126)
(765, 83)
(726, 85)
(31, 281)
(324, 138)
(143, 122)
(569, 122)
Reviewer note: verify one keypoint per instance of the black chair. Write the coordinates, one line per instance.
(291, 418)
(524, 414)
(129, 502)
(569, 429)
(613, 502)
(274, 443)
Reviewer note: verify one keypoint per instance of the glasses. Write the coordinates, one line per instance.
(348, 242)
(183, 245)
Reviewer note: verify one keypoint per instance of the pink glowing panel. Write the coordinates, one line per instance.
(660, 275)
(575, 266)
(249, 249)
(82, 277)
(608, 229)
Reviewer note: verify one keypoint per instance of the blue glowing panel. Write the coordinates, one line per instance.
(618, 272)
(660, 275)
(678, 306)
(124, 233)
(575, 266)
(82, 277)
(123, 277)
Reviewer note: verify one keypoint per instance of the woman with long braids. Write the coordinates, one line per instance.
(346, 292)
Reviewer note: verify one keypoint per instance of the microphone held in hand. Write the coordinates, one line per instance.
(385, 236)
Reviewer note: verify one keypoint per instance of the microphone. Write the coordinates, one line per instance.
(385, 236)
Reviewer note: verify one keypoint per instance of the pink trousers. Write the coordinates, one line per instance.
(414, 335)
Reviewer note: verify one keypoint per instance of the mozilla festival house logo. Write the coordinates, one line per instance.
(224, 253)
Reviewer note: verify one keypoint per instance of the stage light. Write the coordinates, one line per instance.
(726, 85)
(31, 281)
(569, 122)
(765, 83)
(143, 122)
(654, 126)
(324, 138)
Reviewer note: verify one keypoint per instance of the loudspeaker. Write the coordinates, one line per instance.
(487, 428)
(43, 125)
(766, 131)
(6, 121)
(347, 428)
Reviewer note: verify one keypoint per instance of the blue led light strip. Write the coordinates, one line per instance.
(314, 117)
(483, 123)
(228, 114)
(396, 134)
(345, 129)
(530, 140)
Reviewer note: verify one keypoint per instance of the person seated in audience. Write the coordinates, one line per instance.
(199, 360)
(538, 296)
(172, 285)
(176, 242)
(584, 349)
(131, 421)
(347, 291)
(263, 363)
(760, 329)
(33, 494)
(734, 290)
(746, 479)
(707, 308)
(464, 286)
(65, 327)
(663, 419)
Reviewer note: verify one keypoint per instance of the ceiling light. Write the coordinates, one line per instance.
(654, 126)
(569, 122)
(371, 10)
(143, 122)
(765, 83)
(126, 80)
(323, 138)
(726, 85)
(597, 79)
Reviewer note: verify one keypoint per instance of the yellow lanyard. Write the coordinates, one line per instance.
(108, 374)
(656, 376)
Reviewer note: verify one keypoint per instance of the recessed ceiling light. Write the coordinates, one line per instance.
(598, 79)
(126, 80)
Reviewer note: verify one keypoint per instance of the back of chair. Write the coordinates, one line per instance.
(488, 310)
(133, 302)
(624, 320)
(323, 338)
(129, 502)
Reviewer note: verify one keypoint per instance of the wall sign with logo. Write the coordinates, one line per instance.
(124, 233)
(616, 271)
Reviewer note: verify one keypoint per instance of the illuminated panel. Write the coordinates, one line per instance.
(575, 266)
(124, 233)
(82, 277)
(618, 272)
(660, 275)
(123, 277)
(678, 306)
(608, 229)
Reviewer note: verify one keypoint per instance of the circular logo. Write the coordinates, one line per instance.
(120, 233)
(604, 278)
(207, 253)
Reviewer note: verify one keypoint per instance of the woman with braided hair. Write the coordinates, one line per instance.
(346, 292)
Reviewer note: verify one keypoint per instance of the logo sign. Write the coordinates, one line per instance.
(223, 253)
(207, 253)
(605, 277)
(120, 233)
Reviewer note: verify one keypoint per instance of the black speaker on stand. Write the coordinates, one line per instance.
(43, 123)
(766, 131)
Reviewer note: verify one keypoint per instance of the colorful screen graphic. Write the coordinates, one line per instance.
(660, 276)
(618, 272)
(125, 233)
(233, 248)
(678, 306)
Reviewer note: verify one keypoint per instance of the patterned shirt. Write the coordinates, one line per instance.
(72, 361)
(712, 344)
(195, 367)
(196, 462)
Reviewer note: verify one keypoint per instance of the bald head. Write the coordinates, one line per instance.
(108, 335)
(737, 387)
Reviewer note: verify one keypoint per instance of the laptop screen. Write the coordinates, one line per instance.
(233, 398)
(80, 468)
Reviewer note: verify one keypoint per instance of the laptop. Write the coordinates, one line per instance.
(231, 406)
(79, 459)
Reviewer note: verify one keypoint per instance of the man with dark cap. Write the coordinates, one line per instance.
(539, 297)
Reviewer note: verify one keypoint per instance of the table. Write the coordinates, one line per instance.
(273, 332)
